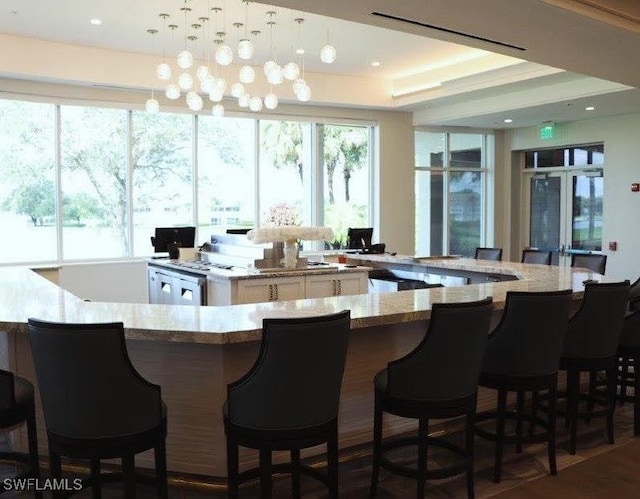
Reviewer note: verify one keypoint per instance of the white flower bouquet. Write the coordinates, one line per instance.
(289, 233)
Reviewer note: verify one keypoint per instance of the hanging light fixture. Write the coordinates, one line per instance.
(206, 78)
(328, 52)
(245, 46)
(163, 71)
(185, 58)
(152, 105)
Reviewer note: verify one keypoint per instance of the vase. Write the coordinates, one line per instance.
(290, 260)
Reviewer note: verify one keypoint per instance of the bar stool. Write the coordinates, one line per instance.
(289, 400)
(523, 353)
(17, 406)
(542, 257)
(96, 405)
(594, 262)
(591, 345)
(438, 379)
(629, 354)
(494, 254)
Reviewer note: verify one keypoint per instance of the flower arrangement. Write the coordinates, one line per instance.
(280, 214)
(289, 233)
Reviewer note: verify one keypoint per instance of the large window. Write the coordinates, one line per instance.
(450, 192)
(93, 145)
(345, 152)
(90, 182)
(28, 186)
(161, 150)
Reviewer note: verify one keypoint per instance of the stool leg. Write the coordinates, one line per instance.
(377, 448)
(500, 419)
(160, 454)
(129, 476)
(573, 388)
(295, 473)
(624, 378)
(611, 401)
(469, 451)
(55, 464)
(423, 431)
(519, 411)
(553, 399)
(232, 467)
(32, 438)
(265, 474)
(96, 486)
(332, 461)
(534, 413)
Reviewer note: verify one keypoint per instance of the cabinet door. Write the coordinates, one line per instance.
(321, 286)
(188, 292)
(352, 284)
(262, 290)
(165, 285)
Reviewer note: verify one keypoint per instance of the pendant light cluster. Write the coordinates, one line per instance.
(203, 80)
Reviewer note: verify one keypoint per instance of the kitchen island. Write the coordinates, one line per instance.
(194, 352)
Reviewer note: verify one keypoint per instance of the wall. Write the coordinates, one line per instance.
(122, 281)
(621, 208)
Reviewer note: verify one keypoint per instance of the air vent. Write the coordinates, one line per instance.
(446, 30)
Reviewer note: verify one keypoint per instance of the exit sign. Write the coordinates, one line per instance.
(547, 131)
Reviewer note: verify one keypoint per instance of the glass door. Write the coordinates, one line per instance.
(565, 212)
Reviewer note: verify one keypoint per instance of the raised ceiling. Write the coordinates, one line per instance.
(417, 41)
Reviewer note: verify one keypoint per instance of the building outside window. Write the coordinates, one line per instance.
(451, 196)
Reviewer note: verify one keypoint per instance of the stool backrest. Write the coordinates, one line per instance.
(596, 263)
(536, 256)
(489, 254)
(446, 364)
(88, 386)
(594, 331)
(634, 296)
(528, 339)
(296, 380)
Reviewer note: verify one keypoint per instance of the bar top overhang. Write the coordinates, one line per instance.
(25, 294)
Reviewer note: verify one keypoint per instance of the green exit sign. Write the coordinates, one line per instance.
(547, 131)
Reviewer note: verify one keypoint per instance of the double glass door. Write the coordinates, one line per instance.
(565, 212)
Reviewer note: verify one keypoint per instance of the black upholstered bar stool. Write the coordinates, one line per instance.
(289, 400)
(489, 254)
(591, 345)
(542, 257)
(16, 407)
(629, 354)
(595, 262)
(523, 354)
(438, 379)
(96, 405)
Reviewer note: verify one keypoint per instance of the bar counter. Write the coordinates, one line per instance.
(194, 352)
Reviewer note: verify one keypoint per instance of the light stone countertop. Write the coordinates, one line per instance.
(239, 273)
(25, 294)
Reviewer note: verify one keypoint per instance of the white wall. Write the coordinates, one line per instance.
(124, 282)
(621, 210)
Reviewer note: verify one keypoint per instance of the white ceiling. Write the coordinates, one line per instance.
(550, 35)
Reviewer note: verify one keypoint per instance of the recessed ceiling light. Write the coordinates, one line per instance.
(300, 51)
(96, 22)
(589, 108)
(376, 64)
(508, 120)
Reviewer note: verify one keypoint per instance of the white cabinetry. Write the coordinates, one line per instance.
(277, 289)
(320, 286)
(263, 289)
